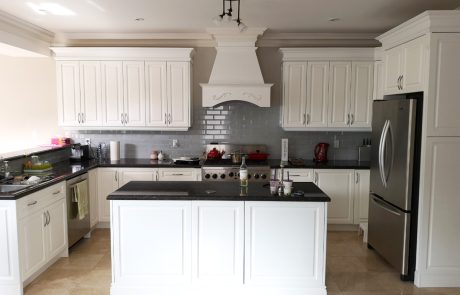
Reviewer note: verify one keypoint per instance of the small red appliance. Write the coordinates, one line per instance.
(321, 152)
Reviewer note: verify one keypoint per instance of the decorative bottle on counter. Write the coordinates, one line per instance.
(243, 173)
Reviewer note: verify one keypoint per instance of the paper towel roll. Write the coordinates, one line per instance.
(114, 150)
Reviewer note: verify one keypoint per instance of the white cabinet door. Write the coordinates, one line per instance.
(362, 187)
(378, 80)
(317, 94)
(294, 94)
(338, 184)
(393, 62)
(297, 175)
(217, 242)
(134, 93)
(107, 183)
(413, 66)
(177, 174)
(56, 230)
(443, 103)
(339, 94)
(112, 93)
(68, 93)
(136, 174)
(91, 101)
(179, 95)
(362, 94)
(154, 241)
(32, 243)
(284, 244)
(156, 92)
(93, 200)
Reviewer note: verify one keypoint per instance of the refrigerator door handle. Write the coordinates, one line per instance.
(381, 153)
(385, 207)
(387, 168)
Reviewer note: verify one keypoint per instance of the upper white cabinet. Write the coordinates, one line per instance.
(404, 66)
(327, 89)
(124, 88)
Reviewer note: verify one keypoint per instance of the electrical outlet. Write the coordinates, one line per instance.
(336, 142)
(175, 143)
(88, 141)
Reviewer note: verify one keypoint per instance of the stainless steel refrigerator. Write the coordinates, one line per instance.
(394, 180)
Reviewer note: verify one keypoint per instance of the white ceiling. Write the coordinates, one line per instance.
(190, 16)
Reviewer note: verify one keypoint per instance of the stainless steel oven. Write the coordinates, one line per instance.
(78, 208)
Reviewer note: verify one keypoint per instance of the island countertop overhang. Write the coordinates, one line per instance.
(211, 191)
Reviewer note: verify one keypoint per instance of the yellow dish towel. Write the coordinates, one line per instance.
(83, 201)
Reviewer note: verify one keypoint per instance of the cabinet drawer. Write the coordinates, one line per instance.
(40, 199)
(298, 175)
(175, 174)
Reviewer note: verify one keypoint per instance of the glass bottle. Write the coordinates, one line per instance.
(243, 173)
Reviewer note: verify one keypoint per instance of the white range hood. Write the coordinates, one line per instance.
(236, 73)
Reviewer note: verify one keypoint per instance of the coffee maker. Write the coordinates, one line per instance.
(80, 152)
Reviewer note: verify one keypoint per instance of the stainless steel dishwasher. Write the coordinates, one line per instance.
(78, 219)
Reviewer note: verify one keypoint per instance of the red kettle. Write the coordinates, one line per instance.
(321, 152)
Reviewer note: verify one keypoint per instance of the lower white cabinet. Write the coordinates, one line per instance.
(284, 244)
(338, 184)
(298, 175)
(361, 201)
(217, 242)
(178, 174)
(93, 200)
(135, 174)
(43, 231)
(218, 247)
(107, 183)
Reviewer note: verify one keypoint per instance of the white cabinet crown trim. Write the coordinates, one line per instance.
(327, 54)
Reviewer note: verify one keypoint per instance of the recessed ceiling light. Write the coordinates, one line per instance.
(50, 8)
(334, 19)
(139, 19)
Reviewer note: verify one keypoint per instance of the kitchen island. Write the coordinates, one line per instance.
(217, 238)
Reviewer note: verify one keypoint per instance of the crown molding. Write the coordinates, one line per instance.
(24, 35)
(318, 40)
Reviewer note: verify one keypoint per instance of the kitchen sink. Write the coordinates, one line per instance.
(9, 188)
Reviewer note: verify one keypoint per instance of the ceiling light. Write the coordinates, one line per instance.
(334, 19)
(50, 8)
(139, 19)
(226, 16)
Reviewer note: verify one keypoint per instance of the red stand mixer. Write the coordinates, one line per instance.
(321, 152)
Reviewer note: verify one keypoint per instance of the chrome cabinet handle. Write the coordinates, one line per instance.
(169, 119)
(157, 175)
(122, 119)
(303, 119)
(308, 119)
(46, 219)
(401, 82)
(79, 118)
(57, 192)
(357, 178)
(166, 119)
(177, 174)
(352, 119)
(49, 217)
(126, 118)
(32, 203)
(116, 175)
(348, 119)
(82, 118)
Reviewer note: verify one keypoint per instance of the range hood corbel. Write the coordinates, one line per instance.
(236, 73)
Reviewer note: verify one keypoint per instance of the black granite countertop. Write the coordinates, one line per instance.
(212, 191)
(310, 164)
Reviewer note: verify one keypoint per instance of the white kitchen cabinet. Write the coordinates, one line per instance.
(338, 184)
(404, 66)
(112, 93)
(134, 93)
(179, 94)
(362, 91)
(277, 257)
(378, 80)
(32, 243)
(297, 174)
(339, 94)
(361, 200)
(68, 93)
(442, 110)
(217, 242)
(90, 93)
(42, 228)
(156, 242)
(317, 94)
(294, 94)
(135, 174)
(93, 197)
(107, 183)
(156, 93)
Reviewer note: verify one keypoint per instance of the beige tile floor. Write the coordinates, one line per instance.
(352, 269)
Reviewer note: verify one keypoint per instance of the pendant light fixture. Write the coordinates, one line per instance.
(227, 16)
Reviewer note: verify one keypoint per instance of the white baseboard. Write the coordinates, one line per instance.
(343, 227)
(103, 225)
(438, 279)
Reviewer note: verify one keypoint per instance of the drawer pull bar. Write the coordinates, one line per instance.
(177, 174)
(32, 203)
(57, 192)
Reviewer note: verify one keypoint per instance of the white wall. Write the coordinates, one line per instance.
(28, 104)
